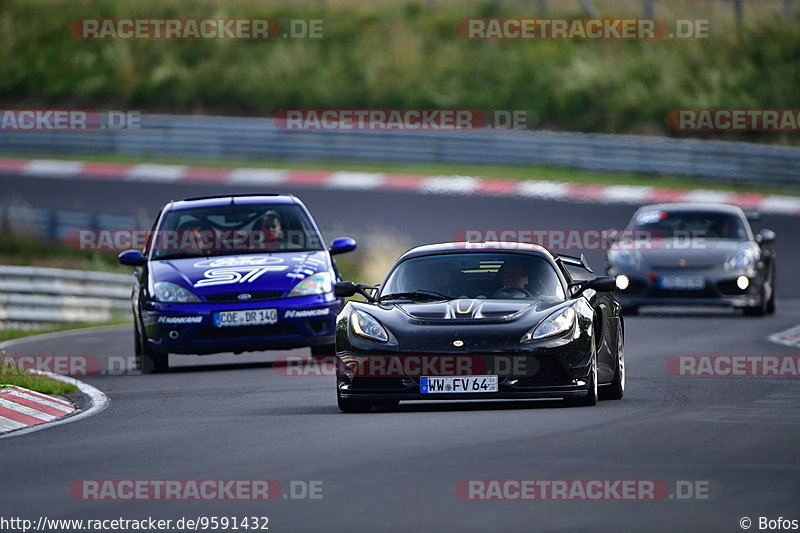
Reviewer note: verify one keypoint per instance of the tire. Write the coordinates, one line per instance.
(591, 398)
(348, 405)
(147, 360)
(616, 389)
(771, 301)
(323, 350)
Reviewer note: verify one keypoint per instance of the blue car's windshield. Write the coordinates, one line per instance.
(474, 275)
(234, 229)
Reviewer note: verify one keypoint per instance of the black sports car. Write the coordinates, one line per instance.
(480, 321)
(694, 254)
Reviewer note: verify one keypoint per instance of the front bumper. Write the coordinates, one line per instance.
(719, 289)
(189, 328)
(558, 372)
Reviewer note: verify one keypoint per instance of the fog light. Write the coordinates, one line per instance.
(742, 282)
(622, 282)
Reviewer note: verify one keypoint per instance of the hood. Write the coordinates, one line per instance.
(671, 254)
(474, 310)
(241, 273)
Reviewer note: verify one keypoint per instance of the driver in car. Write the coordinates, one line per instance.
(272, 228)
(513, 278)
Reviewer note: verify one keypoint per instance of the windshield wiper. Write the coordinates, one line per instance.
(416, 295)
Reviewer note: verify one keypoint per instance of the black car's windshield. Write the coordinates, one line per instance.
(473, 275)
(234, 229)
(689, 224)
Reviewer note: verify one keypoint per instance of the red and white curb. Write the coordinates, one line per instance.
(788, 337)
(463, 185)
(23, 411)
(21, 408)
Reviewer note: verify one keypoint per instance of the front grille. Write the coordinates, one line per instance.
(550, 372)
(255, 296)
(708, 292)
(377, 383)
(283, 329)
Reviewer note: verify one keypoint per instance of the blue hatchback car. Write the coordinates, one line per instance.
(233, 274)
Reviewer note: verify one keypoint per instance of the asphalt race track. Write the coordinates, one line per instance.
(243, 418)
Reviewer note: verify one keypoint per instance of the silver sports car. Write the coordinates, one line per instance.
(694, 254)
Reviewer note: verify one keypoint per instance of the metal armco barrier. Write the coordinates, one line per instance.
(35, 294)
(201, 137)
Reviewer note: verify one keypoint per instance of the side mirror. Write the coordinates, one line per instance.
(131, 257)
(603, 284)
(342, 245)
(765, 236)
(599, 284)
(345, 289)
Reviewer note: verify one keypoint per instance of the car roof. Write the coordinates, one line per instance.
(694, 207)
(476, 247)
(233, 199)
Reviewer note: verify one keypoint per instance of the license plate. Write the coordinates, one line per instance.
(682, 283)
(251, 317)
(457, 384)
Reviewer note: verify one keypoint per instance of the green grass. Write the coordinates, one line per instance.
(11, 375)
(403, 54)
(7, 334)
(19, 250)
(486, 171)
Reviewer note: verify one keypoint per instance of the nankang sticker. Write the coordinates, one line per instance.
(306, 313)
(180, 319)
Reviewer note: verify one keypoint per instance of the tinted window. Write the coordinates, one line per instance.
(686, 224)
(234, 229)
(477, 275)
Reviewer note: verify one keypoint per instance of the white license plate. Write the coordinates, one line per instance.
(251, 317)
(682, 283)
(457, 384)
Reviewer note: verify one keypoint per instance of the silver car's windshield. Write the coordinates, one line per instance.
(689, 224)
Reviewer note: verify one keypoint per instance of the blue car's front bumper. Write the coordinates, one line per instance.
(190, 328)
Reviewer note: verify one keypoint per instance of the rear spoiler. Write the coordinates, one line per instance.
(580, 262)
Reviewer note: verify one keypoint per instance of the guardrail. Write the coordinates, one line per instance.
(203, 137)
(56, 224)
(53, 295)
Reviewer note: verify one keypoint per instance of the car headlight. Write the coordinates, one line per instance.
(624, 259)
(173, 293)
(368, 326)
(319, 283)
(559, 322)
(742, 259)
